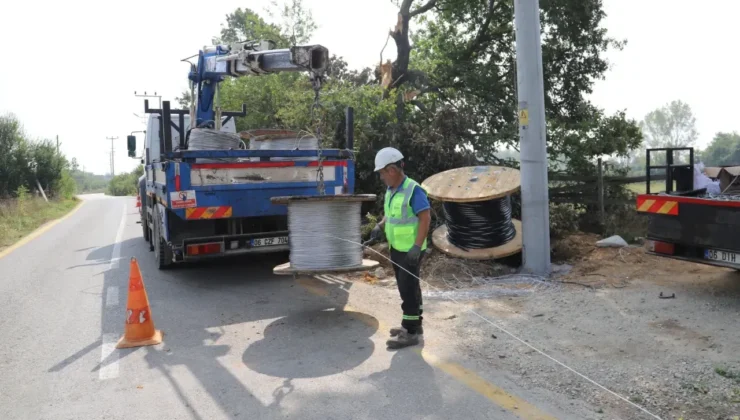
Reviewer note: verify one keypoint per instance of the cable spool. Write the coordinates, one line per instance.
(275, 139)
(324, 234)
(477, 212)
(207, 139)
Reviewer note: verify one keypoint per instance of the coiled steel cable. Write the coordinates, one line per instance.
(297, 142)
(478, 225)
(207, 139)
(324, 234)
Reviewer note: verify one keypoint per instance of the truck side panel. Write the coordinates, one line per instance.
(699, 225)
(228, 194)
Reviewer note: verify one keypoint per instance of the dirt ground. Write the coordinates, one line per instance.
(603, 316)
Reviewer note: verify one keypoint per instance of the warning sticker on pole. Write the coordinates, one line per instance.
(183, 199)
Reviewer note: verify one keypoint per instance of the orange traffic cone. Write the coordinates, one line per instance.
(139, 328)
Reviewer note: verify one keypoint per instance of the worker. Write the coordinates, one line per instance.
(405, 223)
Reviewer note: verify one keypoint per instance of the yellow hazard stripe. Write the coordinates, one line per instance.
(646, 205)
(217, 212)
(667, 206)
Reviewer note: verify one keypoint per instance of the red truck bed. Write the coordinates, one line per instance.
(700, 229)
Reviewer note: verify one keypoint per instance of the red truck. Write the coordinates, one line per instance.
(690, 223)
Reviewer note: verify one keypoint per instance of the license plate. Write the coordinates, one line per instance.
(724, 256)
(278, 240)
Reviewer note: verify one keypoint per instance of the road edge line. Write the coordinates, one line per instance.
(39, 231)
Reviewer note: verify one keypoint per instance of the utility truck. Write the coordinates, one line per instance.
(212, 203)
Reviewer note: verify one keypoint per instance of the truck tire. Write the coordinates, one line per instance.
(162, 251)
(145, 226)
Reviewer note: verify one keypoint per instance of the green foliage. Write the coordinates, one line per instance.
(563, 219)
(465, 54)
(88, 182)
(453, 100)
(672, 125)
(126, 183)
(24, 162)
(18, 217)
(724, 150)
(66, 185)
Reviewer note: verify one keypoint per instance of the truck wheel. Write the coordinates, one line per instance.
(145, 229)
(151, 235)
(162, 251)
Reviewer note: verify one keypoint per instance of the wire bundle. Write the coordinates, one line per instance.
(324, 234)
(297, 142)
(207, 139)
(479, 225)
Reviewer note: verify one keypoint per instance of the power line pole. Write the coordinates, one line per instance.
(531, 92)
(112, 156)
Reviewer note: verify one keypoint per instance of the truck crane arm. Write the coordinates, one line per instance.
(248, 59)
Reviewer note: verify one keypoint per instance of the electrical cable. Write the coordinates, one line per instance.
(339, 219)
(479, 225)
(207, 139)
(510, 334)
(297, 142)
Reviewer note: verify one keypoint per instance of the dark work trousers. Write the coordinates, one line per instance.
(410, 290)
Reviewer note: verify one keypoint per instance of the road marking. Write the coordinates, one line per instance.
(516, 405)
(111, 297)
(108, 358)
(493, 393)
(115, 258)
(38, 232)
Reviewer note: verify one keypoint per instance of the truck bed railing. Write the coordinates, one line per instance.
(682, 173)
(224, 154)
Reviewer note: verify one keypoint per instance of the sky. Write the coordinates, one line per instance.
(71, 68)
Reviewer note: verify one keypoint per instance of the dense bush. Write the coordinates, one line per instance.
(126, 183)
(24, 162)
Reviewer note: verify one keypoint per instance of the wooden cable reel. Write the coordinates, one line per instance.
(476, 189)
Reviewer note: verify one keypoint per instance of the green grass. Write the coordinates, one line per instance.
(729, 374)
(639, 187)
(18, 218)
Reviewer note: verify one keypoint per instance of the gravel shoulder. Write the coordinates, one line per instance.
(677, 357)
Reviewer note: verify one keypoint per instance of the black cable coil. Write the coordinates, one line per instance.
(478, 225)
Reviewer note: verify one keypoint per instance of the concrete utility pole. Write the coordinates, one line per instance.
(535, 203)
(112, 156)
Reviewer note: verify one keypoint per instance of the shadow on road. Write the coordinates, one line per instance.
(308, 336)
(313, 344)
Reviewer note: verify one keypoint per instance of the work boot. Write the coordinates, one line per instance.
(403, 339)
(398, 330)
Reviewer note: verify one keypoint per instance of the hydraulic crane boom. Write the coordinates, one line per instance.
(247, 59)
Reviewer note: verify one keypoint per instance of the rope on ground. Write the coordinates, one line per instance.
(505, 331)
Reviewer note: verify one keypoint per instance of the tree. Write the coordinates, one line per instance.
(724, 150)
(15, 156)
(672, 125)
(246, 25)
(463, 57)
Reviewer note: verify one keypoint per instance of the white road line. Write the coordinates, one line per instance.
(116, 256)
(108, 358)
(111, 297)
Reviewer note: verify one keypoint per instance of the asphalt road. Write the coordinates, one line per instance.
(240, 343)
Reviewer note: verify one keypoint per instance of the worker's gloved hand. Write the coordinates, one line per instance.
(376, 235)
(413, 256)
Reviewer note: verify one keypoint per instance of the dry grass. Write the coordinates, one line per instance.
(20, 217)
(448, 273)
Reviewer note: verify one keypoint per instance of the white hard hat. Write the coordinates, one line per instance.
(386, 156)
